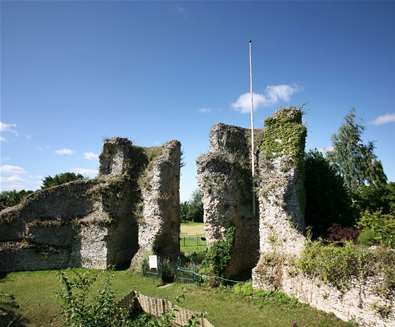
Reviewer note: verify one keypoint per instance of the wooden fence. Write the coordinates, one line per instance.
(158, 307)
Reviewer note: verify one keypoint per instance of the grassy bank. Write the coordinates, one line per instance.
(36, 292)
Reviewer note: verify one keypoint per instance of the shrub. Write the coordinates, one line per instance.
(338, 233)
(339, 266)
(378, 229)
(80, 309)
(219, 254)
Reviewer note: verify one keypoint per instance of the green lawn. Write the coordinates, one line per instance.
(35, 292)
(192, 229)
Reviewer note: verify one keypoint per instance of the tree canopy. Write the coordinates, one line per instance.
(59, 179)
(355, 161)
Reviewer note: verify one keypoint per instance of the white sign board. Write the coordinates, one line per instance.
(153, 262)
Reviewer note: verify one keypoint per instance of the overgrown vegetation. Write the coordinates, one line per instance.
(12, 198)
(218, 255)
(40, 305)
(59, 179)
(339, 266)
(284, 134)
(377, 229)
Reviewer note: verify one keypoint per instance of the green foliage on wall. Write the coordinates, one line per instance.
(284, 134)
(339, 266)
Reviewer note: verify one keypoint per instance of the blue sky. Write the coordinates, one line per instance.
(73, 73)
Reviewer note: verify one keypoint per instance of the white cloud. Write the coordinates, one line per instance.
(272, 95)
(15, 178)
(384, 119)
(4, 127)
(326, 149)
(11, 170)
(91, 156)
(64, 152)
(205, 110)
(86, 172)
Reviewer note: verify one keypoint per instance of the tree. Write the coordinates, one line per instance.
(59, 179)
(353, 160)
(192, 210)
(12, 198)
(327, 199)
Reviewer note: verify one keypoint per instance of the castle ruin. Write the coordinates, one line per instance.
(131, 209)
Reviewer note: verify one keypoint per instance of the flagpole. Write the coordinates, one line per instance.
(252, 129)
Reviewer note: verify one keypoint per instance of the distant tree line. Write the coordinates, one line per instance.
(192, 210)
(12, 198)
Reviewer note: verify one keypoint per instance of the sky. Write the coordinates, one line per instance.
(76, 72)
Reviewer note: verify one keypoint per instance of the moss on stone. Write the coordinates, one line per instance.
(284, 134)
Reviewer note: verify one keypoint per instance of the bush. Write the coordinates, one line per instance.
(338, 233)
(79, 308)
(377, 228)
(219, 254)
(339, 266)
(380, 198)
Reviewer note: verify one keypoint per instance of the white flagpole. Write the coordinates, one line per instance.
(252, 130)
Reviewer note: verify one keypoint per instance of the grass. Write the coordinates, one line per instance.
(191, 238)
(192, 229)
(35, 292)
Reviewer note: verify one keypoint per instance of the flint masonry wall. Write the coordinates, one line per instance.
(94, 223)
(281, 194)
(224, 177)
(281, 224)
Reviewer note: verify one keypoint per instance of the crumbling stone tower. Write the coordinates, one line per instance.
(224, 176)
(99, 223)
(281, 195)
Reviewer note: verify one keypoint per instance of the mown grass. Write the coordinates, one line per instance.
(192, 229)
(192, 238)
(36, 293)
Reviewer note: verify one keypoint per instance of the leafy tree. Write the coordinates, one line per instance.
(327, 199)
(379, 198)
(195, 212)
(12, 198)
(192, 210)
(59, 179)
(354, 160)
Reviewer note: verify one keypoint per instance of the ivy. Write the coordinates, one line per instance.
(219, 255)
(341, 266)
(284, 134)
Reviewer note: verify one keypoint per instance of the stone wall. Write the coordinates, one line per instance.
(281, 225)
(159, 225)
(96, 223)
(224, 176)
(281, 196)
